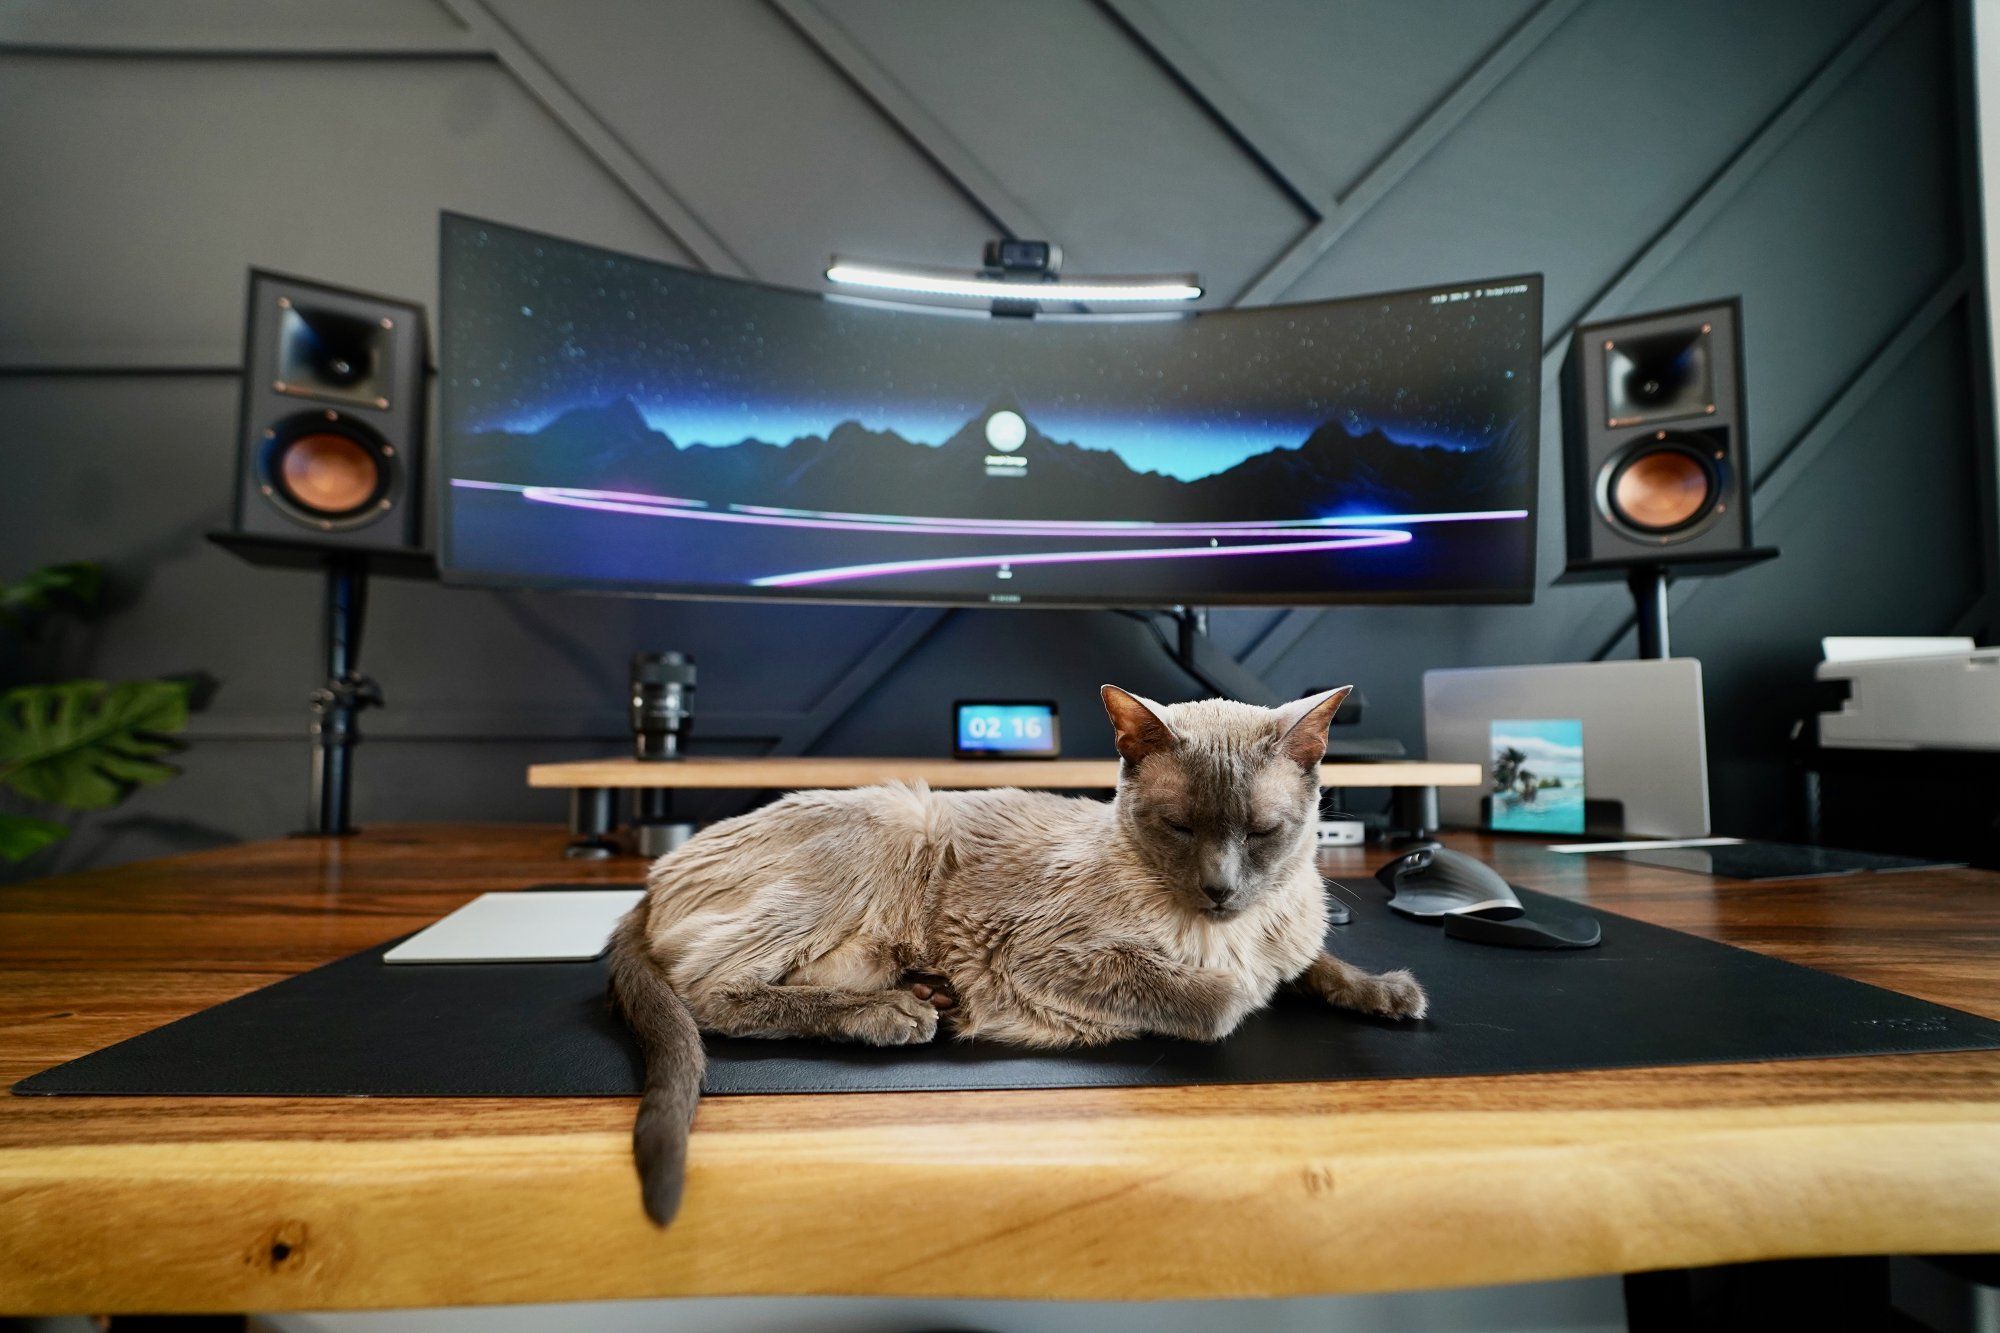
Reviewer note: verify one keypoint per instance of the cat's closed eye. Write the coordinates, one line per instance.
(1182, 829)
(1272, 831)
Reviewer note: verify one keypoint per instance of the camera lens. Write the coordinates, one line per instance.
(662, 704)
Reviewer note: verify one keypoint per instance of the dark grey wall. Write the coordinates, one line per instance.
(1805, 155)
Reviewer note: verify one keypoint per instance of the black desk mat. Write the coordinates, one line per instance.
(1646, 996)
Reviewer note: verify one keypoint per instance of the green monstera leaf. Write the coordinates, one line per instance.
(85, 744)
(21, 836)
(75, 584)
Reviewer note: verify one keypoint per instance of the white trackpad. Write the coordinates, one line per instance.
(568, 925)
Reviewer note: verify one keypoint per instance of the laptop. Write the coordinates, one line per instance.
(1574, 748)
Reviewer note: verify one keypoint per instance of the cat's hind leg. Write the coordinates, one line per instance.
(745, 1008)
(845, 991)
(1344, 986)
(800, 958)
(932, 988)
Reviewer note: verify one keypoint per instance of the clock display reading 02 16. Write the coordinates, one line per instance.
(991, 729)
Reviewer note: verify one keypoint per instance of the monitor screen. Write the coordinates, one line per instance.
(617, 423)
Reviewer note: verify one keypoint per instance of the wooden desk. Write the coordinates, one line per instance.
(118, 1204)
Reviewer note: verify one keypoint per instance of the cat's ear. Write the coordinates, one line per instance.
(1302, 725)
(1141, 730)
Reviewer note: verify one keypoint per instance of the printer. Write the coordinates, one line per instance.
(1907, 756)
(1908, 694)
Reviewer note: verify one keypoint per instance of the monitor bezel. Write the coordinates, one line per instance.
(452, 574)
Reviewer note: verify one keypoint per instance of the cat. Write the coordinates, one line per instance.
(881, 914)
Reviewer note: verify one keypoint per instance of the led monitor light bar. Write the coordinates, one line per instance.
(944, 282)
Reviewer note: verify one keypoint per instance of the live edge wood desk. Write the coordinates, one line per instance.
(121, 1204)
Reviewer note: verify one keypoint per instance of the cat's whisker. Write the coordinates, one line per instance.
(1344, 891)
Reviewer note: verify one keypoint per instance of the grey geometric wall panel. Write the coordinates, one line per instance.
(1812, 248)
(138, 191)
(1086, 130)
(1348, 81)
(1581, 155)
(1807, 156)
(268, 28)
(681, 81)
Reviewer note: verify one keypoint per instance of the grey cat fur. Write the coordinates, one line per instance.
(1176, 909)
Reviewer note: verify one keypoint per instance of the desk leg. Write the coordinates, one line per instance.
(1413, 813)
(655, 831)
(593, 818)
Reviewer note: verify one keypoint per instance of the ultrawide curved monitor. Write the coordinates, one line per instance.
(615, 423)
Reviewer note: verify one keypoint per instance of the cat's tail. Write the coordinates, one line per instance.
(671, 1044)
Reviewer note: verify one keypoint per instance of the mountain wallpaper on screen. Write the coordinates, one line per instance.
(852, 468)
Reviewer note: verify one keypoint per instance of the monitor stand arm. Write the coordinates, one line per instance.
(1192, 648)
(1223, 677)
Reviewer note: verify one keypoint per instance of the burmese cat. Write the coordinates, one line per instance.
(875, 915)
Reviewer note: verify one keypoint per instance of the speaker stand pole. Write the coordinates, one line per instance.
(337, 705)
(1649, 597)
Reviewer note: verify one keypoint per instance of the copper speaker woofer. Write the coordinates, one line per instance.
(1662, 487)
(327, 471)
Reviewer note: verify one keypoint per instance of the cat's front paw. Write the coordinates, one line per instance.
(898, 1018)
(1390, 995)
(1208, 1005)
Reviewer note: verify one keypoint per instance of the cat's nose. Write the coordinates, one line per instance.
(1217, 894)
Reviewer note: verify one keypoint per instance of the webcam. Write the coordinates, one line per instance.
(1009, 258)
